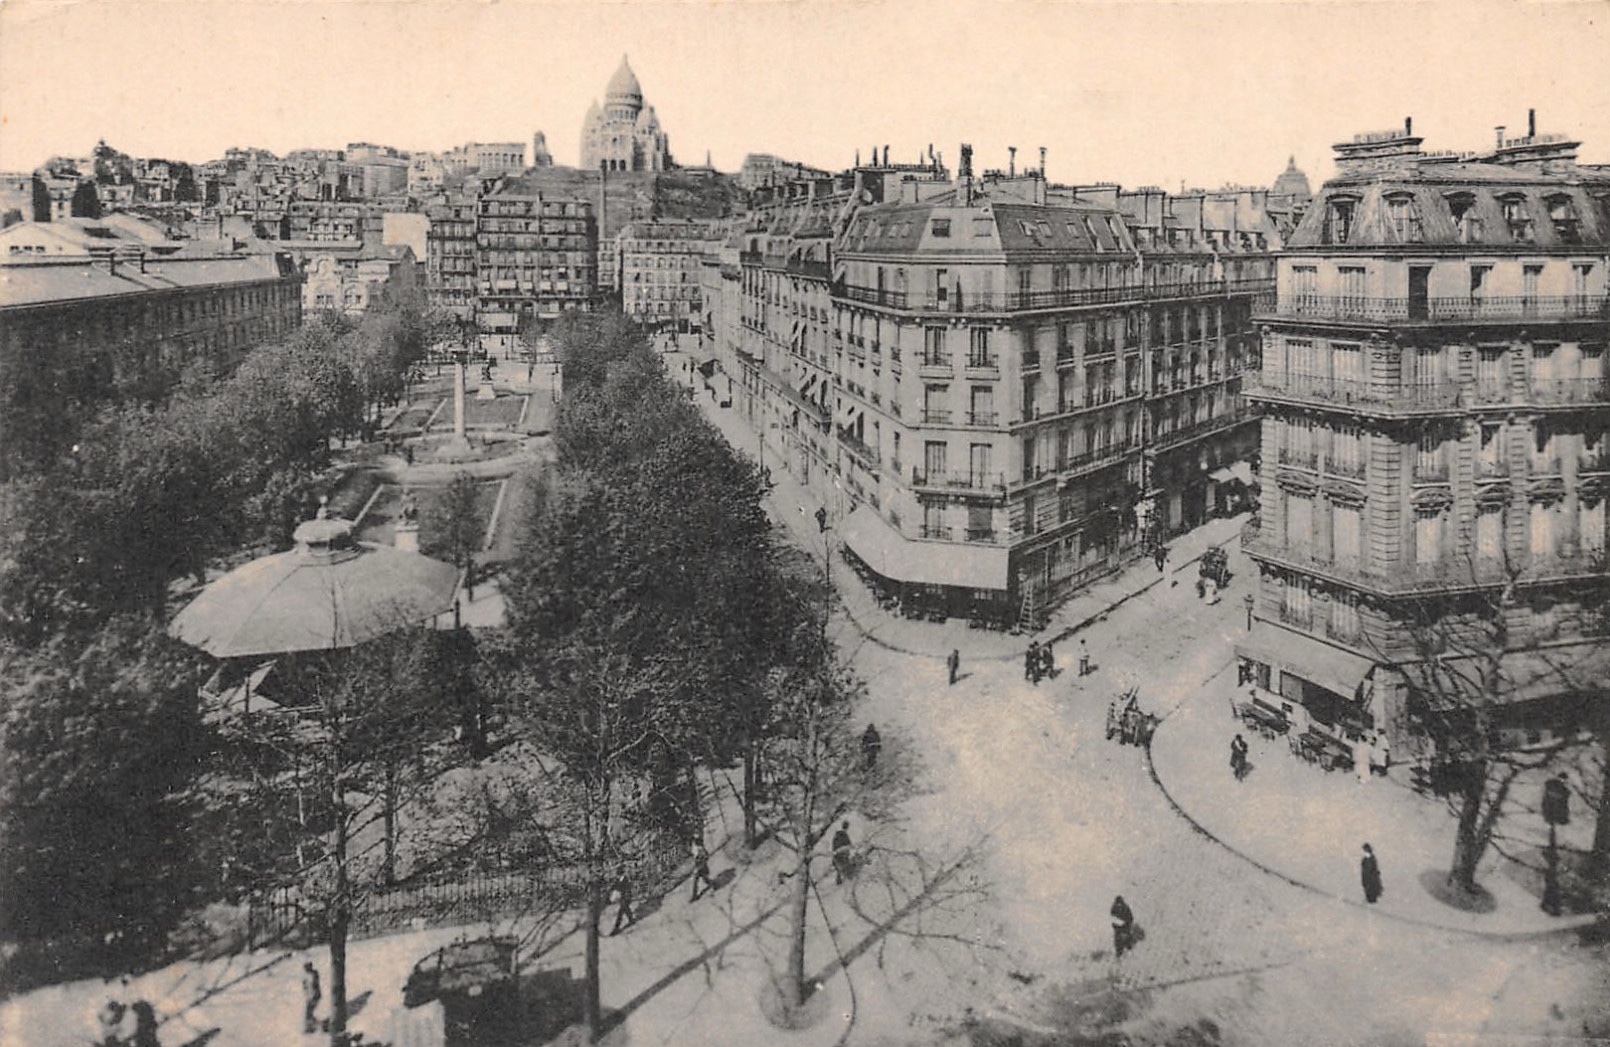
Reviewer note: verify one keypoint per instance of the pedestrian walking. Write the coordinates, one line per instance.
(622, 890)
(1160, 556)
(1238, 757)
(1123, 926)
(1047, 661)
(1369, 872)
(312, 993)
(871, 746)
(843, 862)
(145, 1025)
(1031, 662)
(1084, 658)
(954, 664)
(1201, 587)
(701, 868)
(1361, 759)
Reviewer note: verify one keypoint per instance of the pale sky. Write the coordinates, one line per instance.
(1133, 92)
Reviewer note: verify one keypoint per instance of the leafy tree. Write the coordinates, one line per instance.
(357, 739)
(86, 202)
(98, 741)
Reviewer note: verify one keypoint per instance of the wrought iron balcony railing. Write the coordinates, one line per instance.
(1431, 310)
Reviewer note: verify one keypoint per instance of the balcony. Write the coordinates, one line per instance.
(981, 534)
(1435, 396)
(1031, 360)
(935, 416)
(965, 301)
(943, 480)
(858, 449)
(935, 365)
(983, 367)
(1355, 393)
(1435, 310)
(936, 534)
(1197, 430)
(983, 419)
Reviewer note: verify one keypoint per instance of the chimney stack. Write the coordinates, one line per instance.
(1042, 163)
(1408, 127)
(1531, 123)
(1499, 130)
(1011, 161)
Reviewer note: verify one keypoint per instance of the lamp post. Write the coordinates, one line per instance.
(1251, 602)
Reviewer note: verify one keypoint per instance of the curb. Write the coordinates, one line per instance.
(1571, 926)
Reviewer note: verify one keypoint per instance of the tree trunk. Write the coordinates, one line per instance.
(388, 864)
(1599, 858)
(340, 917)
(1470, 842)
(795, 989)
(592, 1003)
(750, 840)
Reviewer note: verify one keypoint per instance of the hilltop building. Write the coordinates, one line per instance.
(625, 134)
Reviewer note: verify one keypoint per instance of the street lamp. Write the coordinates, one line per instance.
(1251, 602)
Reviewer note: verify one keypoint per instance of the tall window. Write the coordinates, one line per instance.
(1516, 219)
(1402, 218)
(1302, 360)
(978, 349)
(933, 520)
(1531, 275)
(933, 345)
(1346, 450)
(1543, 530)
(1427, 535)
(1345, 533)
(1299, 604)
(1429, 463)
(1300, 441)
(979, 460)
(1590, 525)
(1478, 281)
(1429, 363)
(1491, 460)
(1490, 369)
(934, 458)
(1545, 456)
(1344, 615)
(982, 405)
(1339, 221)
(1490, 532)
(1347, 361)
(1351, 278)
(1300, 523)
(1544, 356)
(1304, 280)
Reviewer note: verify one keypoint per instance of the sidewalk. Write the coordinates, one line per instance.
(1308, 826)
(794, 506)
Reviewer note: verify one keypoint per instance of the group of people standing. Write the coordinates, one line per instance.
(1038, 661)
(127, 1024)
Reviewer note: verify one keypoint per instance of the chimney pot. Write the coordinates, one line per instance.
(1531, 123)
(1011, 161)
(1499, 131)
(1408, 126)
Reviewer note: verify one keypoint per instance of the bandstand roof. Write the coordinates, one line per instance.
(328, 592)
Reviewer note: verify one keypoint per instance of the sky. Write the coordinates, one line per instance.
(1140, 93)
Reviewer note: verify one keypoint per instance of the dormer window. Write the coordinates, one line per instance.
(1563, 217)
(1339, 220)
(1403, 218)
(1467, 224)
(1516, 219)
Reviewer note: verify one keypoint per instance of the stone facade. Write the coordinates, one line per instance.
(659, 271)
(983, 374)
(536, 255)
(1436, 433)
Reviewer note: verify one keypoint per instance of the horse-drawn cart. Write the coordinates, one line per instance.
(1127, 722)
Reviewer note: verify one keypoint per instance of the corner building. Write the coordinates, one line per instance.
(1435, 410)
(963, 373)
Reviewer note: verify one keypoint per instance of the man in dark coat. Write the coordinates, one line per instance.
(843, 865)
(1238, 757)
(871, 746)
(954, 664)
(701, 868)
(1031, 662)
(1369, 872)
(622, 888)
(312, 993)
(1123, 926)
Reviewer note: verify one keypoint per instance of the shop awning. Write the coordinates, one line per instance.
(1240, 471)
(708, 368)
(899, 559)
(1304, 656)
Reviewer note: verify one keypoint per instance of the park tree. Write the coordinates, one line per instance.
(86, 202)
(1469, 664)
(455, 520)
(309, 792)
(99, 738)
